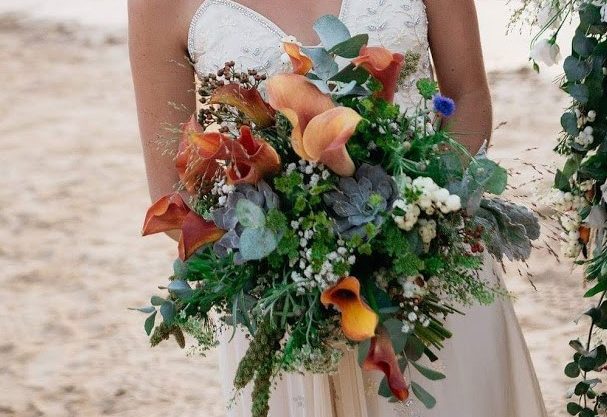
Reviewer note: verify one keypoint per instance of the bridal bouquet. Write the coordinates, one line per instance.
(320, 217)
(581, 183)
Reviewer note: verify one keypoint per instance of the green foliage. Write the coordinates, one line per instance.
(424, 396)
(427, 88)
(331, 31)
(350, 48)
(508, 229)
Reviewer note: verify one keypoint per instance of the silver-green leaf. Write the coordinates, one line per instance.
(331, 31)
(257, 243)
(250, 214)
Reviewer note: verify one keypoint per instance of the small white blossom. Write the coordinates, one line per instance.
(546, 51)
(591, 116)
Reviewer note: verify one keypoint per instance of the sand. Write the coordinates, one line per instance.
(72, 197)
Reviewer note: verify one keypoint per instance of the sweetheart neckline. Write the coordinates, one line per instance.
(248, 11)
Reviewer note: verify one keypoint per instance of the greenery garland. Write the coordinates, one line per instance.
(581, 183)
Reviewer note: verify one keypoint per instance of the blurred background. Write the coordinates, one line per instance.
(73, 194)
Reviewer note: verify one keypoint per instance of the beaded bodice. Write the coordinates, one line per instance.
(224, 30)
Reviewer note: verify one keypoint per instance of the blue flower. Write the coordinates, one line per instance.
(443, 105)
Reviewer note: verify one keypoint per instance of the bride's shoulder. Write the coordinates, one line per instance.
(162, 17)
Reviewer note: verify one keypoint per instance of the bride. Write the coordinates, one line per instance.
(487, 362)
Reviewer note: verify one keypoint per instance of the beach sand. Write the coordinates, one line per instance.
(72, 197)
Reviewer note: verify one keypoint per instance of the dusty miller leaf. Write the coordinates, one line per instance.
(509, 229)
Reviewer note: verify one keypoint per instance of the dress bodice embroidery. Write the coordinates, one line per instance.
(224, 30)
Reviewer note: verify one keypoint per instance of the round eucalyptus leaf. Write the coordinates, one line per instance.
(180, 288)
(576, 69)
(572, 370)
(583, 45)
(250, 214)
(579, 92)
(569, 123)
(331, 31)
(257, 243)
(573, 408)
(167, 310)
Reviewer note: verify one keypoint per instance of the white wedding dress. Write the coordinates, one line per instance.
(488, 368)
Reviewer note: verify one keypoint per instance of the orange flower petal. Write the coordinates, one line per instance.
(195, 233)
(252, 159)
(302, 64)
(326, 136)
(247, 100)
(299, 101)
(165, 214)
(358, 320)
(198, 155)
(381, 357)
(382, 65)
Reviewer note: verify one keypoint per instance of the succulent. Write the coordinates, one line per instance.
(244, 219)
(361, 200)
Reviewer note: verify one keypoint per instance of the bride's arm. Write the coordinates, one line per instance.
(457, 55)
(161, 76)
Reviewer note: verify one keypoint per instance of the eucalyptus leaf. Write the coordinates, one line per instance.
(569, 123)
(424, 396)
(180, 288)
(350, 89)
(431, 374)
(572, 370)
(573, 408)
(579, 92)
(331, 31)
(351, 47)
(351, 73)
(492, 177)
(325, 66)
(149, 323)
(250, 214)
(167, 310)
(146, 310)
(156, 300)
(576, 69)
(398, 338)
(257, 243)
(583, 45)
(578, 347)
(414, 348)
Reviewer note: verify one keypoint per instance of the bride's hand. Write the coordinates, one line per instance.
(458, 59)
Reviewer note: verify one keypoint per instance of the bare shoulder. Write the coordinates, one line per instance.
(165, 19)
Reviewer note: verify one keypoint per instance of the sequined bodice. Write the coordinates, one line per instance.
(224, 30)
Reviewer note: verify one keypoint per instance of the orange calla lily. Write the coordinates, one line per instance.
(252, 159)
(198, 155)
(358, 320)
(306, 107)
(195, 233)
(326, 136)
(302, 64)
(165, 214)
(381, 357)
(172, 213)
(247, 100)
(382, 65)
